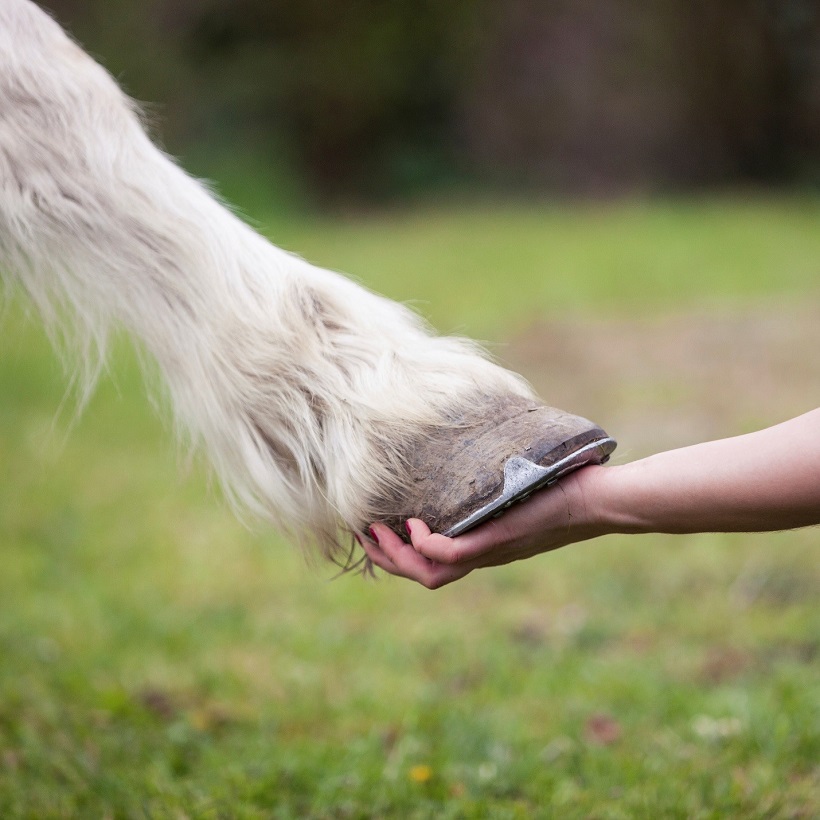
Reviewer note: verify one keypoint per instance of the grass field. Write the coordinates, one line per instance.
(159, 660)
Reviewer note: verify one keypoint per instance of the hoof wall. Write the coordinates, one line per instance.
(523, 477)
(496, 455)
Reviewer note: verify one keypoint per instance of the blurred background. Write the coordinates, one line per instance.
(623, 199)
(368, 100)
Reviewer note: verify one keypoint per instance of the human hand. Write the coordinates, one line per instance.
(763, 481)
(554, 517)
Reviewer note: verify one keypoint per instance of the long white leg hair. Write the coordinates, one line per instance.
(305, 389)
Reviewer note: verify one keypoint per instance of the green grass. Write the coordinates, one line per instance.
(158, 660)
(481, 269)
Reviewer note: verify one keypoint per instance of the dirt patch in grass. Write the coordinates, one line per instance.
(665, 381)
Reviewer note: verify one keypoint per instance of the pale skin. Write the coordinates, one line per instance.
(763, 481)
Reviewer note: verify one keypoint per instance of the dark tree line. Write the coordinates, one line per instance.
(371, 97)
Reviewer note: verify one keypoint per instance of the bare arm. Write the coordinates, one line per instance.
(768, 480)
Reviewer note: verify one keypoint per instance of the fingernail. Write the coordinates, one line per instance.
(373, 535)
(407, 527)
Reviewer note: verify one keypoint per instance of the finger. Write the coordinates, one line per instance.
(460, 550)
(405, 558)
(377, 556)
(412, 564)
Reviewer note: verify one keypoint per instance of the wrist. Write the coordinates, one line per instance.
(614, 500)
(587, 493)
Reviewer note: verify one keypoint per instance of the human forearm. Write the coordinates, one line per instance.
(767, 480)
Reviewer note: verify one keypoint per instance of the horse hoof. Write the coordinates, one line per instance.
(494, 455)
